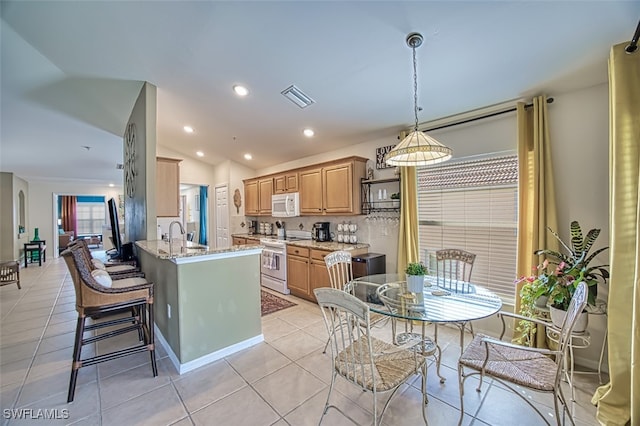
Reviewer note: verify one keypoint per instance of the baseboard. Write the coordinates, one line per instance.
(206, 359)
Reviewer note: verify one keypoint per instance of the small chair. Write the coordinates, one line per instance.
(453, 268)
(523, 366)
(340, 270)
(10, 273)
(94, 299)
(369, 363)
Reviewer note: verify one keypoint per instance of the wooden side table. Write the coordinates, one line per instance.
(33, 249)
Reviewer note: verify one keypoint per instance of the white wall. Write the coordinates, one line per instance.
(42, 198)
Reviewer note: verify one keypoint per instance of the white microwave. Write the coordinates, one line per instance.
(285, 205)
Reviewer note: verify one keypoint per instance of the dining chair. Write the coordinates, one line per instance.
(340, 269)
(10, 273)
(97, 296)
(514, 365)
(453, 272)
(369, 363)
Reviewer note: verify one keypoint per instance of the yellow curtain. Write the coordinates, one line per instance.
(536, 203)
(619, 400)
(408, 230)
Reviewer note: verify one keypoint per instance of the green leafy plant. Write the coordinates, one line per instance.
(558, 276)
(395, 196)
(574, 267)
(416, 268)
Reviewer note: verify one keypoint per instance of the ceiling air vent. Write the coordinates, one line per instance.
(296, 96)
(120, 166)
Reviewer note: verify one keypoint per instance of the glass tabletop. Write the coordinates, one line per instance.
(447, 302)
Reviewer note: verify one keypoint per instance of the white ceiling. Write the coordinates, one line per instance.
(71, 72)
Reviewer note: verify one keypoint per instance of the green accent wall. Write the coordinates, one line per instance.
(214, 303)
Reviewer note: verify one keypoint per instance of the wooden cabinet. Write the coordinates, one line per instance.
(298, 271)
(251, 203)
(167, 187)
(257, 196)
(309, 270)
(332, 189)
(238, 241)
(287, 182)
(311, 191)
(265, 191)
(318, 274)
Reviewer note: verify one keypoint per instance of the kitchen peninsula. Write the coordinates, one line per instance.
(207, 301)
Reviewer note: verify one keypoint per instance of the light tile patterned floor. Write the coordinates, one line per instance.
(283, 381)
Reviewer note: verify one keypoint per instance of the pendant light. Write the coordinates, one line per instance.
(417, 148)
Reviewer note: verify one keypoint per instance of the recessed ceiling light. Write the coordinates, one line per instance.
(248, 156)
(111, 185)
(308, 133)
(200, 153)
(188, 129)
(240, 90)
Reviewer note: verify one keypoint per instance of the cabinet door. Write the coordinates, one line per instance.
(167, 187)
(251, 206)
(338, 188)
(318, 276)
(298, 276)
(311, 191)
(292, 182)
(265, 188)
(279, 184)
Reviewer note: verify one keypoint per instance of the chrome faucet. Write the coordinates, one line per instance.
(171, 234)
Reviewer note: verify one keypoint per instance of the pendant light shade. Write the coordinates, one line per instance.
(417, 148)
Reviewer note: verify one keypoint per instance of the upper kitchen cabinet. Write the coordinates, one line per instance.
(167, 187)
(333, 188)
(257, 196)
(311, 191)
(265, 190)
(251, 195)
(287, 182)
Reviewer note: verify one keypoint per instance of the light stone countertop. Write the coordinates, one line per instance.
(326, 245)
(179, 250)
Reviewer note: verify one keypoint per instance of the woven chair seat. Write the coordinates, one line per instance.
(391, 366)
(522, 367)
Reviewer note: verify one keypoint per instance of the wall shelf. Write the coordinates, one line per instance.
(367, 197)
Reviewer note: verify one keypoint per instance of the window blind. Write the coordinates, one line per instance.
(90, 217)
(472, 205)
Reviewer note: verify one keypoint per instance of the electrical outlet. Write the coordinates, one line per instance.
(168, 310)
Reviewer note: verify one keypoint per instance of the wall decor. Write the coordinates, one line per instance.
(129, 160)
(237, 200)
(380, 153)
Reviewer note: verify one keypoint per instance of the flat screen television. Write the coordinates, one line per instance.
(115, 230)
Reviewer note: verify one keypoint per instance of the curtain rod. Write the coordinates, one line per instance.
(633, 46)
(469, 120)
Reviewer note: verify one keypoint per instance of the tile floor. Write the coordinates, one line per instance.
(283, 381)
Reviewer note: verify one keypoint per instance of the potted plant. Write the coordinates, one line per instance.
(559, 275)
(415, 276)
(395, 199)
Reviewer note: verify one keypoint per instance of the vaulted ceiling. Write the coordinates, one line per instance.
(71, 72)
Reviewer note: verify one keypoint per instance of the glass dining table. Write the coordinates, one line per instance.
(452, 302)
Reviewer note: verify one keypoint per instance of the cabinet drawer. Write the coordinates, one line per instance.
(319, 254)
(298, 251)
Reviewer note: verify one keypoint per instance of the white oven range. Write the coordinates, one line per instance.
(273, 265)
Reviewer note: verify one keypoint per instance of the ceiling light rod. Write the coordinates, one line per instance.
(633, 46)
(417, 148)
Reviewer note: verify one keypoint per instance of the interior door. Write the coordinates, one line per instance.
(222, 216)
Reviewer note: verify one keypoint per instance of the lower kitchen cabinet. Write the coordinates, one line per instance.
(298, 271)
(307, 271)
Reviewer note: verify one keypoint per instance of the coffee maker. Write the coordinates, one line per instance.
(321, 232)
(253, 227)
